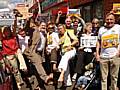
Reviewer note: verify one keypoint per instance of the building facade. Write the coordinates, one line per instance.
(88, 8)
(93, 8)
(53, 6)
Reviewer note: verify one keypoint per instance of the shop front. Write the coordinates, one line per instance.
(89, 8)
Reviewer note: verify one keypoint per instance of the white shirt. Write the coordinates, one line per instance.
(55, 42)
(108, 37)
(23, 42)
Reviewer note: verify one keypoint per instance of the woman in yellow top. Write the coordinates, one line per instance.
(68, 51)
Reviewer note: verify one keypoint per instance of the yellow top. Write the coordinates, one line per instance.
(65, 40)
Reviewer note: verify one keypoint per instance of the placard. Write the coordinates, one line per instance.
(110, 41)
(116, 8)
(88, 41)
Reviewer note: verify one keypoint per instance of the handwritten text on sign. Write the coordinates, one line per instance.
(88, 41)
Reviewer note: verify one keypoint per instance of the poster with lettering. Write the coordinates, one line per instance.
(110, 41)
(89, 41)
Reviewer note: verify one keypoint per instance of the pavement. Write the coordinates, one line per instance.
(34, 83)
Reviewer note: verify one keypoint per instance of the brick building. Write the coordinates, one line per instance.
(93, 8)
(53, 6)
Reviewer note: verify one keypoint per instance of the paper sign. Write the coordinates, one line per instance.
(88, 41)
(73, 11)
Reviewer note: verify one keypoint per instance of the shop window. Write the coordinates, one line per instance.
(87, 13)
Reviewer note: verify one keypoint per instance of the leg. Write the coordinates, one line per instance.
(63, 65)
(114, 69)
(15, 70)
(37, 61)
(53, 59)
(104, 67)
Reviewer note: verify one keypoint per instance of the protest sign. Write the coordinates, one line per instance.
(88, 41)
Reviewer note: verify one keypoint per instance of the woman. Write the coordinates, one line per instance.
(85, 54)
(11, 53)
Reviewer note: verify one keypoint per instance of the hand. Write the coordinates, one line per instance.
(97, 57)
(118, 54)
(59, 13)
(80, 48)
(68, 48)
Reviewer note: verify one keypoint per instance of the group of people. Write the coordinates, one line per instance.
(57, 45)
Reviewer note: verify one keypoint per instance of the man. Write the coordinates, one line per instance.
(32, 53)
(108, 41)
(68, 52)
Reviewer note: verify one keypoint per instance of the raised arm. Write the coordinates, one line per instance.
(58, 17)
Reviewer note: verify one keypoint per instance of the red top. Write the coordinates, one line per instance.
(10, 46)
(1, 57)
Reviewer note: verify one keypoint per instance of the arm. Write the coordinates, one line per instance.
(82, 21)
(15, 26)
(97, 50)
(73, 37)
(58, 17)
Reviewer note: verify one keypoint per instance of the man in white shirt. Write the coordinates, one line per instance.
(108, 41)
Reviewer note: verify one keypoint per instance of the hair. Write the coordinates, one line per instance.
(96, 20)
(108, 14)
(68, 18)
(50, 23)
(76, 20)
(86, 25)
(61, 25)
(6, 29)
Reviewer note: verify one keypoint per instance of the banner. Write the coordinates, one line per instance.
(88, 41)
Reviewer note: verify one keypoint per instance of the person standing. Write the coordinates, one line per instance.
(95, 26)
(108, 41)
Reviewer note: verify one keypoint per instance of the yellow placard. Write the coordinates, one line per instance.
(116, 8)
(110, 41)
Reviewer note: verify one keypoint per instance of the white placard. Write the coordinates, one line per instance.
(88, 41)
(73, 11)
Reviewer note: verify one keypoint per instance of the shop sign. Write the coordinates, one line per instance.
(23, 9)
(116, 8)
(6, 18)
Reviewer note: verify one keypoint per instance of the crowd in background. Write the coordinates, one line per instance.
(52, 47)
